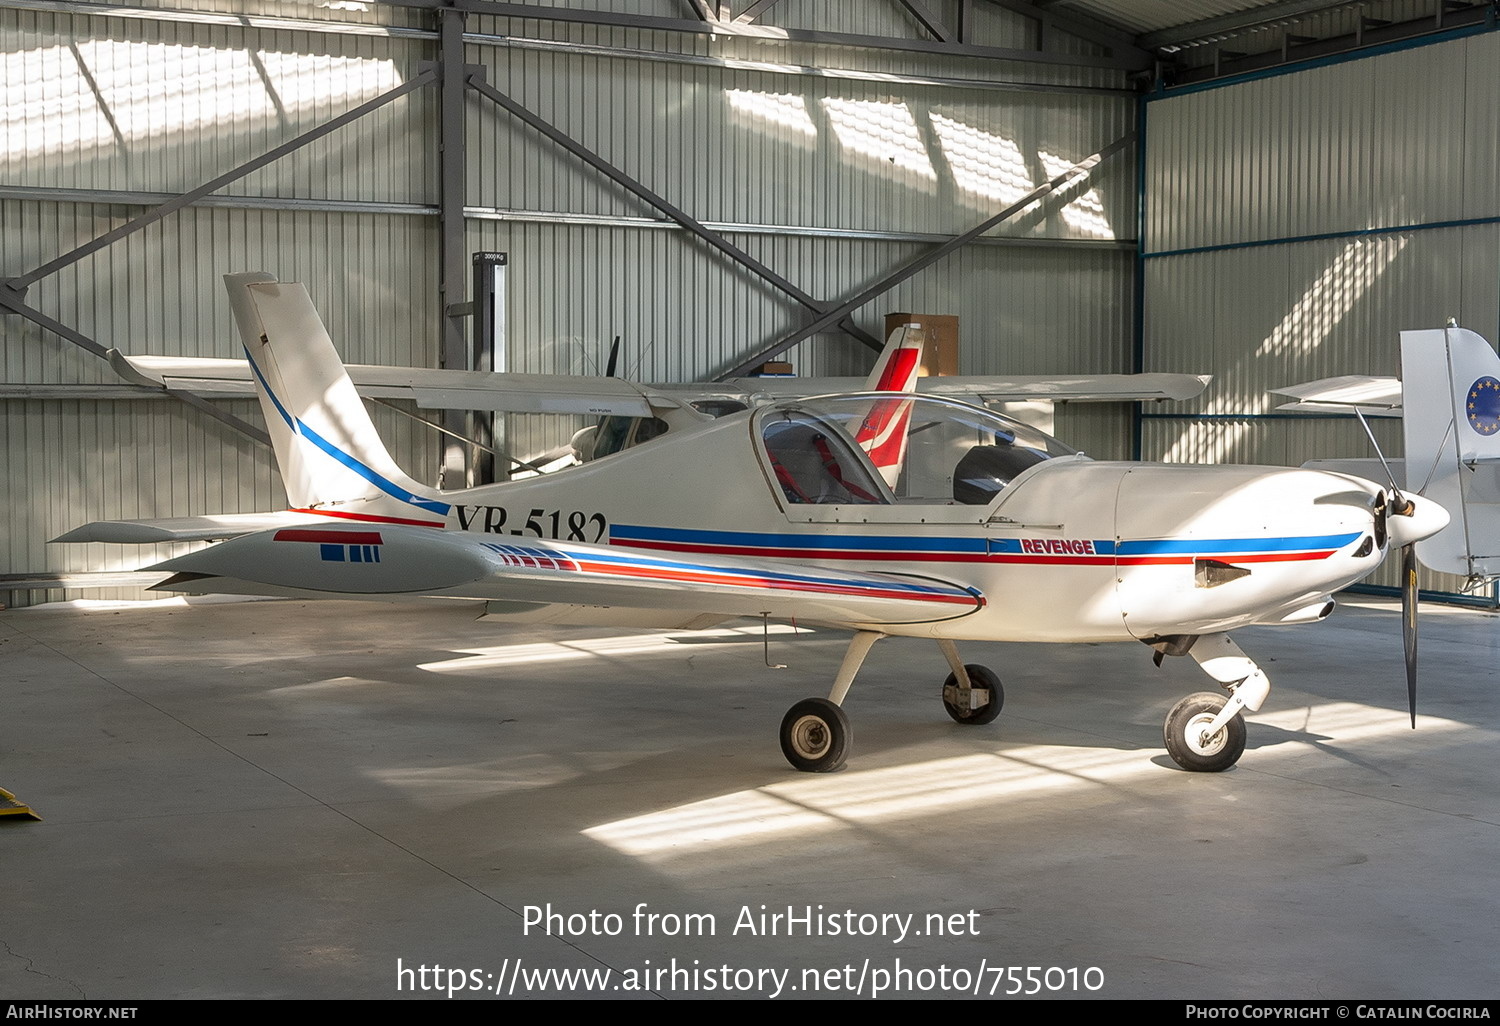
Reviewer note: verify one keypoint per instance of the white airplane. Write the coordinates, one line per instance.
(884, 514)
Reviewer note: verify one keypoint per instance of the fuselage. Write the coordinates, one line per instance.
(1066, 549)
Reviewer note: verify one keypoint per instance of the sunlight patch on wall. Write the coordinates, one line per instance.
(984, 164)
(102, 92)
(781, 109)
(880, 131)
(1084, 214)
(1306, 326)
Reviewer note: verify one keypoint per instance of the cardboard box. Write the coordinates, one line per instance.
(940, 340)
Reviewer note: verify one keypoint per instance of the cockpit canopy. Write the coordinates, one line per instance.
(936, 451)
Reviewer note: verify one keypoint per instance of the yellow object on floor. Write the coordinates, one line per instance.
(12, 806)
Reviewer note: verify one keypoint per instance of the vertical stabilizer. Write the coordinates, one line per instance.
(331, 457)
(1450, 384)
(883, 433)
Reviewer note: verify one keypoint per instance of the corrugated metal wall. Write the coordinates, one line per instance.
(1297, 223)
(828, 176)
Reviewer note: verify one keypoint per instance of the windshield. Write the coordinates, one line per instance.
(924, 449)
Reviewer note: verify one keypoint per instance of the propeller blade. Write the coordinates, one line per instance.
(614, 358)
(1409, 624)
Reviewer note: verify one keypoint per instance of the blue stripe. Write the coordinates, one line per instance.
(300, 427)
(1246, 545)
(635, 532)
(1002, 546)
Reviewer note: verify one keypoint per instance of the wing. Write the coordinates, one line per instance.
(344, 562)
(1098, 388)
(1372, 396)
(435, 389)
(430, 389)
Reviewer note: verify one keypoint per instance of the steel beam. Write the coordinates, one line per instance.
(20, 283)
(928, 20)
(1119, 42)
(755, 10)
(99, 10)
(911, 267)
(1128, 62)
(682, 218)
(455, 349)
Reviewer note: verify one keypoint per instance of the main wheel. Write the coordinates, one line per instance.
(982, 678)
(1190, 747)
(815, 736)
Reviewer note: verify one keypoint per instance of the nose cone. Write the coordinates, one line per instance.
(1423, 519)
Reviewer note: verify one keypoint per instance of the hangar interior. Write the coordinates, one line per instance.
(1275, 189)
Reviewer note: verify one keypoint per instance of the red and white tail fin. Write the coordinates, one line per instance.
(883, 433)
(332, 459)
(1450, 397)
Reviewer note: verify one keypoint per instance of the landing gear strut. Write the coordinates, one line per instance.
(972, 693)
(815, 733)
(1205, 732)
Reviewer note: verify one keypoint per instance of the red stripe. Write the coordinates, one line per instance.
(370, 518)
(660, 573)
(304, 534)
(902, 366)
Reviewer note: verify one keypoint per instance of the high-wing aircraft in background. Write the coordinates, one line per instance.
(1451, 377)
(631, 413)
(883, 514)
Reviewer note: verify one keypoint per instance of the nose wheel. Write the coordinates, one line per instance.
(1191, 739)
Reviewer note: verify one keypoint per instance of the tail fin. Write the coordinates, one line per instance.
(883, 433)
(1450, 384)
(331, 457)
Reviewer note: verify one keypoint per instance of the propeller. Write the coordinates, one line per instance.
(1416, 521)
(1400, 506)
(1409, 624)
(1408, 520)
(614, 358)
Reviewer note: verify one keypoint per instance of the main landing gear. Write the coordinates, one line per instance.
(815, 733)
(1205, 732)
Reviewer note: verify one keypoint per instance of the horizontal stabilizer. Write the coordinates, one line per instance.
(1372, 396)
(183, 529)
(430, 389)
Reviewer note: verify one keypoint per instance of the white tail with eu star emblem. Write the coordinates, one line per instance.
(1450, 381)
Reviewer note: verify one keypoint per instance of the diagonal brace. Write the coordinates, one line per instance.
(682, 218)
(13, 303)
(22, 282)
(910, 268)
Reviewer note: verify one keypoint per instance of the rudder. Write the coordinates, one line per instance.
(332, 459)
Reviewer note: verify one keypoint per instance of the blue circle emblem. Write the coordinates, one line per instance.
(1483, 406)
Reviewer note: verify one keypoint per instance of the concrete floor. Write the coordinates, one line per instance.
(283, 799)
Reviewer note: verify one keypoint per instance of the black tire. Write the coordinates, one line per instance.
(815, 736)
(1183, 729)
(981, 678)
